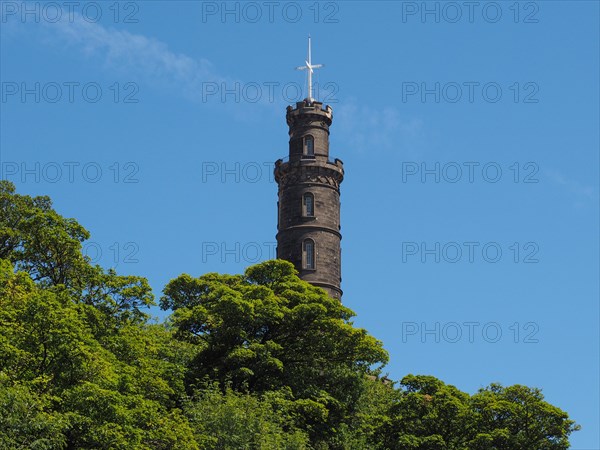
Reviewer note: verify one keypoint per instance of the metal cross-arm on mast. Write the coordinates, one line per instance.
(310, 67)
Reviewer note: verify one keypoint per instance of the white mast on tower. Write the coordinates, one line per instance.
(309, 66)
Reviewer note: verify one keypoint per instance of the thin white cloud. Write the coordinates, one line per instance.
(582, 192)
(150, 61)
(146, 58)
(369, 129)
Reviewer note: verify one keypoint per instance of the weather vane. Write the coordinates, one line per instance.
(309, 66)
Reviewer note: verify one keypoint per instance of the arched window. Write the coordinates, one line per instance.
(308, 205)
(309, 146)
(308, 254)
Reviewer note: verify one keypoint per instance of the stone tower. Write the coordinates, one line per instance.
(308, 219)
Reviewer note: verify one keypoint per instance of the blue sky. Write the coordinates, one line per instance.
(469, 138)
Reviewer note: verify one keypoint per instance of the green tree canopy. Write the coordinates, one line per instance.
(428, 414)
(261, 360)
(267, 330)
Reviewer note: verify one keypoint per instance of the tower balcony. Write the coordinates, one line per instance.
(309, 169)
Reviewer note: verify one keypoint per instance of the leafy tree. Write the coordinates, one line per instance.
(518, 418)
(372, 414)
(38, 240)
(429, 415)
(267, 330)
(25, 422)
(100, 398)
(101, 418)
(233, 420)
